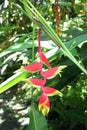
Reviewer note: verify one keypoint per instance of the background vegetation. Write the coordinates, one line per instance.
(16, 36)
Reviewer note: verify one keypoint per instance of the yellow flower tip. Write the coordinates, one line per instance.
(59, 93)
(63, 67)
(60, 74)
(44, 110)
(60, 70)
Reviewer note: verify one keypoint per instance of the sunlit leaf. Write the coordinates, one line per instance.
(10, 82)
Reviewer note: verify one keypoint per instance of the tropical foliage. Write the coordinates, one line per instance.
(42, 44)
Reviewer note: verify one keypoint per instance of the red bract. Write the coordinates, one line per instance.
(43, 59)
(51, 91)
(33, 67)
(50, 73)
(44, 104)
(37, 82)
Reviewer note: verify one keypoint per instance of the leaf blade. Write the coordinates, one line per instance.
(10, 82)
(37, 120)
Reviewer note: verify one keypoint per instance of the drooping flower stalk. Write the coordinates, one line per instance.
(39, 46)
(57, 17)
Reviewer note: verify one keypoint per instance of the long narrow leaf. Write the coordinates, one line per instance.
(24, 45)
(10, 82)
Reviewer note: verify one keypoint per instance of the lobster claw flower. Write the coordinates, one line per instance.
(43, 59)
(44, 104)
(50, 73)
(33, 67)
(51, 91)
(37, 82)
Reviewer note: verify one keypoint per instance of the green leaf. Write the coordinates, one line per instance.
(77, 41)
(74, 52)
(25, 45)
(19, 76)
(37, 120)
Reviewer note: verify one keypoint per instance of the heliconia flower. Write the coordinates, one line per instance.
(50, 73)
(37, 82)
(44, 104)
(43, 59)
(51, 91)
(33, 67)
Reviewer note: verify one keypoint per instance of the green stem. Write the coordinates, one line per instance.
(32, 59)
(33, 43)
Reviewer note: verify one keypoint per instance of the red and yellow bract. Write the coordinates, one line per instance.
(33, 67)
(51, 91)
(37, 82)
(50, 73)
(44, 104)
(43, 59)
